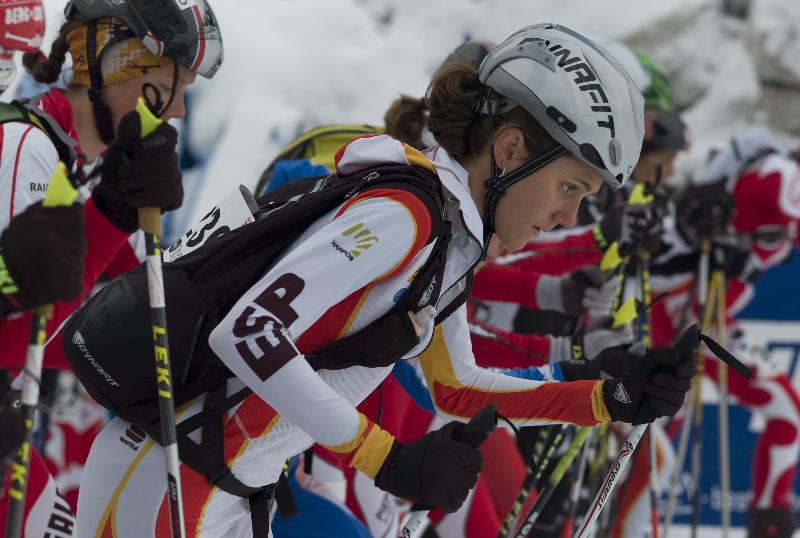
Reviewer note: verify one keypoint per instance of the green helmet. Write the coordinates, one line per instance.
(658, 93)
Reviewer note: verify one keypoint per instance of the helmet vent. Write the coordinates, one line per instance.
(562, 121)
(615, 152)
(592, 156)
(163, 18)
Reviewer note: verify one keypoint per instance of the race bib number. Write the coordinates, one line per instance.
(234, 211)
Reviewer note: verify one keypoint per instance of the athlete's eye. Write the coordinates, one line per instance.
(569, 189)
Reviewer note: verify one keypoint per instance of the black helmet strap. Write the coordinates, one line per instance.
(156, 104)
(497, 184)
(102, 114)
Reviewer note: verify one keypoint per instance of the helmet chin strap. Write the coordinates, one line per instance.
(497, 184)
(156, 105)
(102, 114)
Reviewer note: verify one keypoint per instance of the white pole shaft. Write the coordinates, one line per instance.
(683, 446)
(415, 525)
(617, 468)
(724, 436)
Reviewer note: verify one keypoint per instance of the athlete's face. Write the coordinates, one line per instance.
(542, 200)
(121, 98)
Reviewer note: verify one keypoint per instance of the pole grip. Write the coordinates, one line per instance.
(149, 121)
(60, 191)
(479, 427)
(150, 220)
(689, 339)
(46, 311)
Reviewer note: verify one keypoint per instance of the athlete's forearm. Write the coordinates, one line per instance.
(460, 388)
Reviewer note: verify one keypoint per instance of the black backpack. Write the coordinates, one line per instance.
(109, 346)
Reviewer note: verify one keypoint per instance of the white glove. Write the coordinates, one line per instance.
(598, 300)
(599, 336)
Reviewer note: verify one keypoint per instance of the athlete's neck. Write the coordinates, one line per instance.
(88, 135)
(478, 171)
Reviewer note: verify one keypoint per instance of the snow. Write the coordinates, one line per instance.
(775, 22)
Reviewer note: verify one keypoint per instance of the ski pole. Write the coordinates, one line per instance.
(645, 336)
(718, 281)
(683, 445)
(553, 481)
(577, 485)
(706, 305)
(150, 224)
(692, 418)
(624, 313)
(529, 483)
(688, 343)
(474, 434)
(59, 193)
(653, 474)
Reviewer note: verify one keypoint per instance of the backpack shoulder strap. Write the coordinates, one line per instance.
(23, 110)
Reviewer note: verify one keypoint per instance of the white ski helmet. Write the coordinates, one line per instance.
(576, 90)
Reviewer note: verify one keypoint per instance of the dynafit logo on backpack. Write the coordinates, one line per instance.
(585, 79)
(80, 343)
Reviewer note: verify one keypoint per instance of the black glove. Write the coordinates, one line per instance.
(580, 369)
(436, 470)
(139, 172)
(617, 362)
(630, 226)
(639, 399)
(704, 212)
(43, 249)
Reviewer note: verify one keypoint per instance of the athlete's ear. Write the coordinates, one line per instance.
(509, 145)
